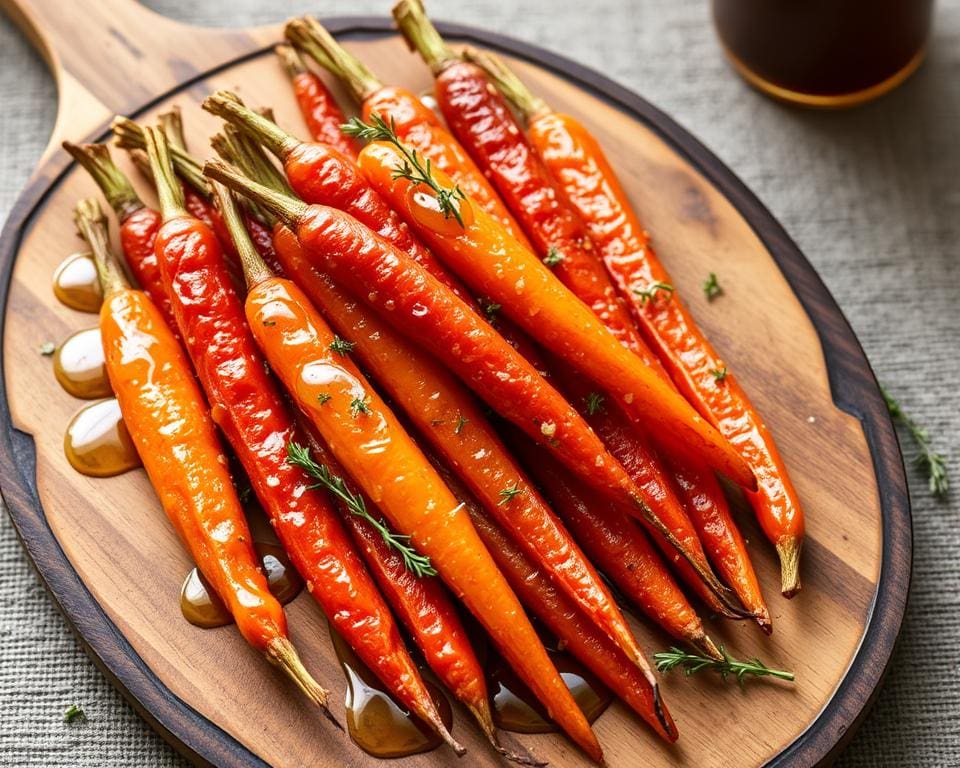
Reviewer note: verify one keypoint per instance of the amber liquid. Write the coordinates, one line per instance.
(97, 442)
(824, 52)
(79, 365)
(75, 283)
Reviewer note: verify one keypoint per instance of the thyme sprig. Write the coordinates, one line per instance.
(299, 456)
(418, 170)
(509, 493)
(691, 663)
(928, 461)
(652, 291)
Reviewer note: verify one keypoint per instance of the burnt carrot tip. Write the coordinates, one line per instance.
(281, 653)
(788, 550)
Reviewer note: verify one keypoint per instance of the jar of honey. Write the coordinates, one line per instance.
(824, 53)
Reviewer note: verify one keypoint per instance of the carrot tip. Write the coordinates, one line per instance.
(707, 647)
(788, 549)
(281, 653)
(766, 624)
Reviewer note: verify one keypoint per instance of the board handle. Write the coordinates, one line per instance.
(113, 56)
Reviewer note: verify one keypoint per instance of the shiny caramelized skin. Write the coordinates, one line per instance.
(168, 419)
(385, 462)
(254, 416)
(138, 230)
(578, 634)
(576, 160)
(321, 113)
(451, 420)
(493, 264)
(480, 118)
(418, 126)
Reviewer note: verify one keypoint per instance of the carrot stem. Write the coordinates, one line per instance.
(169, 191)
(527, 104)
(288, 209)
(421, 36)
(255, 269)
(130, 136)
(308, 36)
(171, 123)
(226, 105)
(92, 224)
(116, 187)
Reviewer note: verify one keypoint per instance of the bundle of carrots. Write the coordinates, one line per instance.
(554, 411)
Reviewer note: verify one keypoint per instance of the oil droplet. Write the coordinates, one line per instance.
(516, 709)
(76, 285)
(97, 442)
(202, 607)
(376, 723)
(79, 366)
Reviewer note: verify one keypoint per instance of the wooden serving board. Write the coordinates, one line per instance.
(114, 566)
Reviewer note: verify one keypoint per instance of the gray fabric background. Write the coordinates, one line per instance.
(873, 198)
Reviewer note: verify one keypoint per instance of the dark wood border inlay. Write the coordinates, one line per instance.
(852, 382)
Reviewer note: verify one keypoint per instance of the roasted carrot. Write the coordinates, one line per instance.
(138, 222)
(577, 162)
(579, 636)
(414, 302)
(451, 420)
(170, 424)
(253, 414)
(414, 121)
(320, 110)
(482, 254)
(370, 443)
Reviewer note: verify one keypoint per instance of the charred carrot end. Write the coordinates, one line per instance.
(281, 653)
(788, 550)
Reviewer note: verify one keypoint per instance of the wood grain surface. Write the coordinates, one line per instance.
(114, 564)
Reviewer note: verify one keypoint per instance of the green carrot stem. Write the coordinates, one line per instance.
(290, 59)
(288, 209)
(255, 270)
(421, 36)
(309, 37)
(227, 106)
(92, 225)
(116, 187)
(169, 191)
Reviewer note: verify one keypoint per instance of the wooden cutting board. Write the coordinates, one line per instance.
(114, 566)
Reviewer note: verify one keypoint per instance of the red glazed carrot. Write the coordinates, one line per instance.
(138, 223)
(253, 414)
(579, 636)
(369, 442)
(170, 424)
(578, 163)
(482, 254)
(320, 110)
(415, 122)
(414, 302)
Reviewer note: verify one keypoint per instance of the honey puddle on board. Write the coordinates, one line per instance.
(97, 442)
(79, 366)
(202, 607)
(76, 285)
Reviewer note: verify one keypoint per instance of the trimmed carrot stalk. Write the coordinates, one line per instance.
(320, 110)
(579, 636)
(414, 121)
(373, 447)
(138, 223)
(577, 162)
(170, 424)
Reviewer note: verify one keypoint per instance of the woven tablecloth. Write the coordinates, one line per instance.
(872, 196)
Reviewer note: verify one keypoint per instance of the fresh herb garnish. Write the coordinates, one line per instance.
(691, 663)
(490, 309)
(47, 348)
(554, 256)
(359, 405)
(413, 168)
(461, 423)
(650, 293)
(509, 493)
(324, 398)
(711, 288)
(928, 460)
(299, 456)
(719, 374)
(341, 346)
(72, 712)
(594, 402)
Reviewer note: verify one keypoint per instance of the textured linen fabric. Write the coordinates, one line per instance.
(872, 196)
